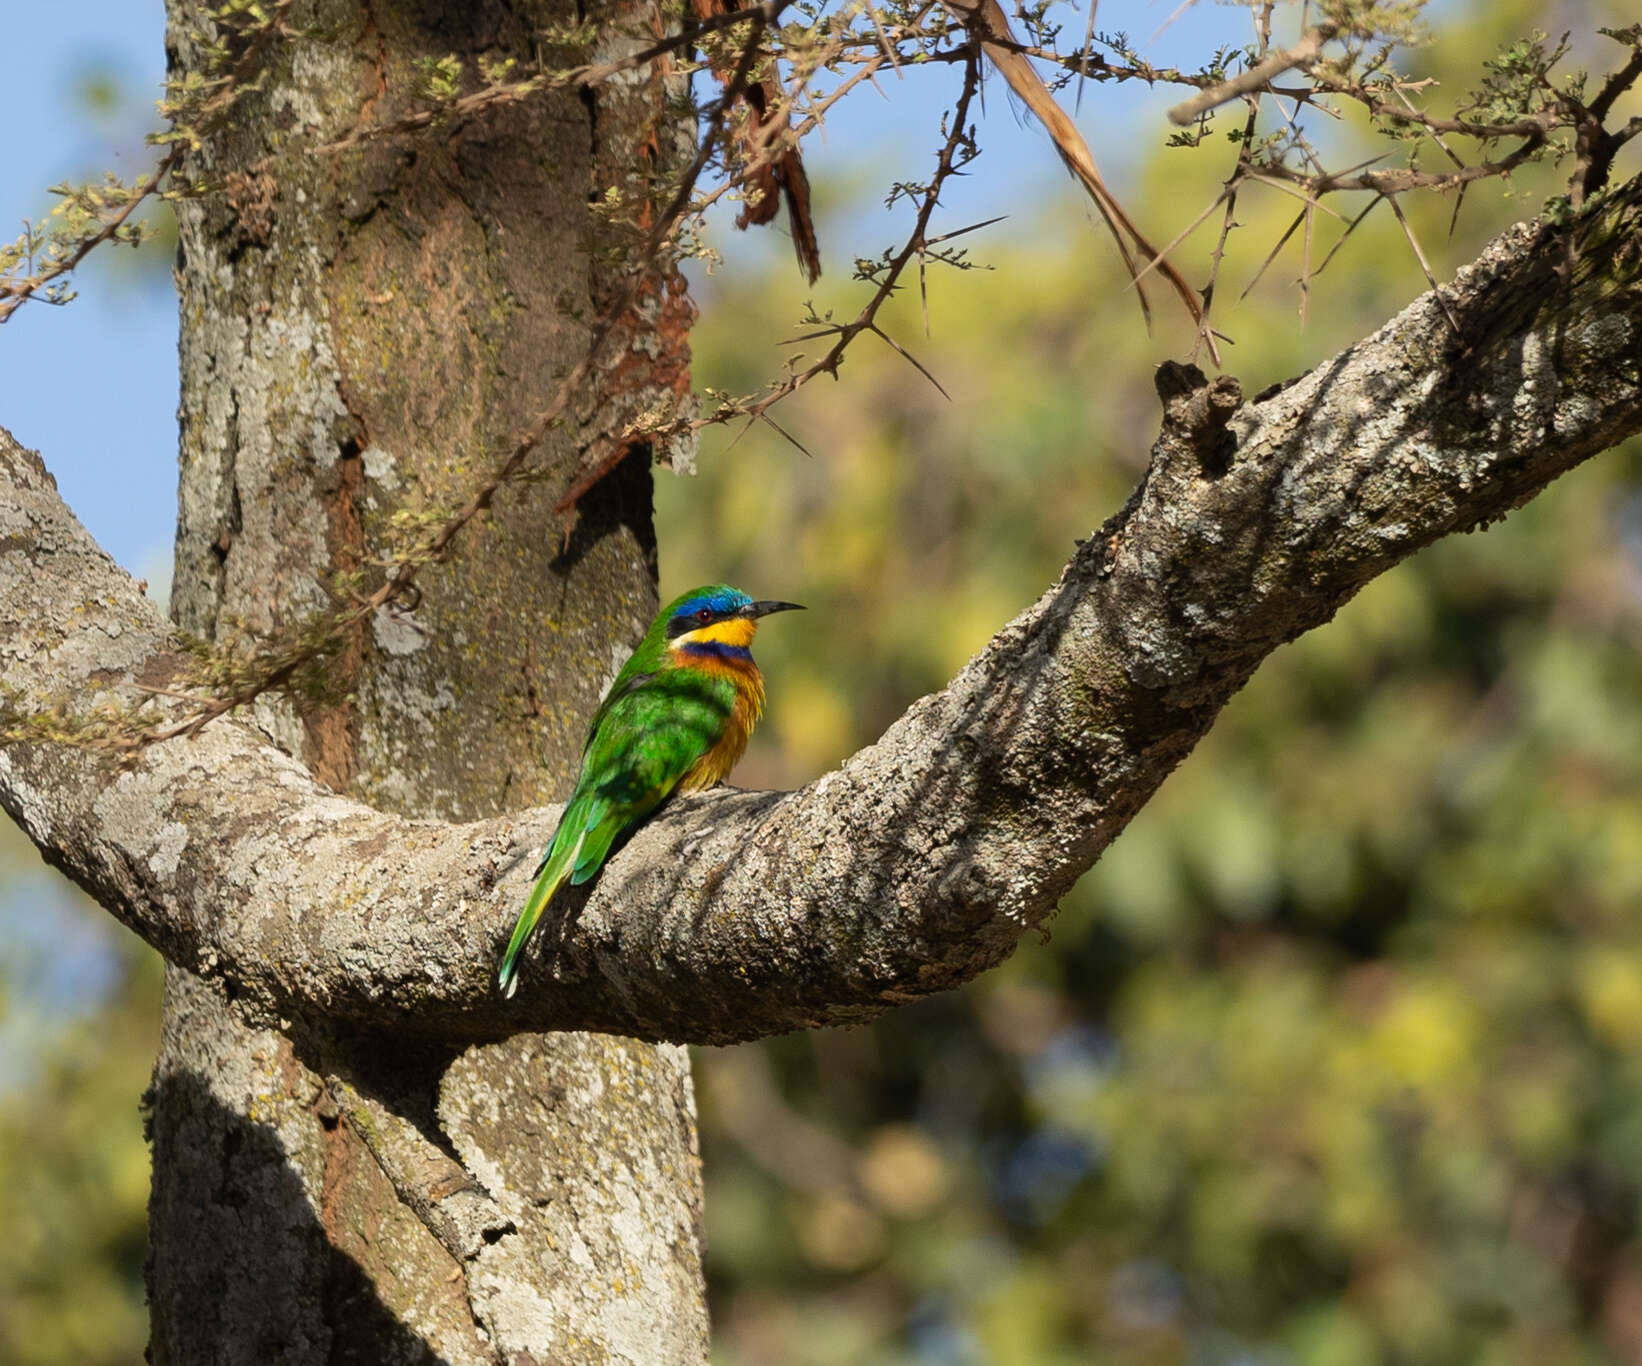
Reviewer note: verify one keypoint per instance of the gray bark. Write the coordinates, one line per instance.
(923, 859)
(335, 1176)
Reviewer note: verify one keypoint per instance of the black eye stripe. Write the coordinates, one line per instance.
(695, 620)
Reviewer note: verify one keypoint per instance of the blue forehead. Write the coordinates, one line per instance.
(718, 598)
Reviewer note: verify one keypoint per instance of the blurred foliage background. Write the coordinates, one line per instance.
(1334, 1059)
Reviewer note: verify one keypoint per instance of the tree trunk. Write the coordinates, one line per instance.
(361, 331)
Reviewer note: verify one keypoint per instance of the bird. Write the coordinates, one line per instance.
(676, 718)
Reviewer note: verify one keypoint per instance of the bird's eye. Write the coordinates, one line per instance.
(704, 615)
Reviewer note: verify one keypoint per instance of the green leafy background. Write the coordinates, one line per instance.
(1336, 1056)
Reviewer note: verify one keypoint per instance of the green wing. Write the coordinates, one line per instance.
(627, 682)
(649, 730)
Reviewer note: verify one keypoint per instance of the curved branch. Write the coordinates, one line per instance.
(920, 861)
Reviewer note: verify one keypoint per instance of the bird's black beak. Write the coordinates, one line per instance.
(763, 609)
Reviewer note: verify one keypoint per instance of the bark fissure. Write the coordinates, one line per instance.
(331, 726)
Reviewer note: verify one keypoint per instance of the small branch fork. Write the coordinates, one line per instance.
(1258, 77)
(1548, 109)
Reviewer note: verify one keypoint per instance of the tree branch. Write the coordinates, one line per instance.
(922, 860)
(1268, 69)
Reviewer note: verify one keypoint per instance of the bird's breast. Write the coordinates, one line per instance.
(735, 665)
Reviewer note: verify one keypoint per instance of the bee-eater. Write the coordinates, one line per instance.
(677, 717)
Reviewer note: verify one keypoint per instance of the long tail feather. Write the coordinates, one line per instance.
(550, 877)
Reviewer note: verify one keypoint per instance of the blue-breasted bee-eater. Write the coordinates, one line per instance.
(677, 717)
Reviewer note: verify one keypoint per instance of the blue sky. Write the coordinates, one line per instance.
(93, 385)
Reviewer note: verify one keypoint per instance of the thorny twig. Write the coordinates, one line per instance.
(863, 38)
(955, 152)
(14, 293)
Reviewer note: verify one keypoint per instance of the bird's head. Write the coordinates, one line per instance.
(717, 615)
